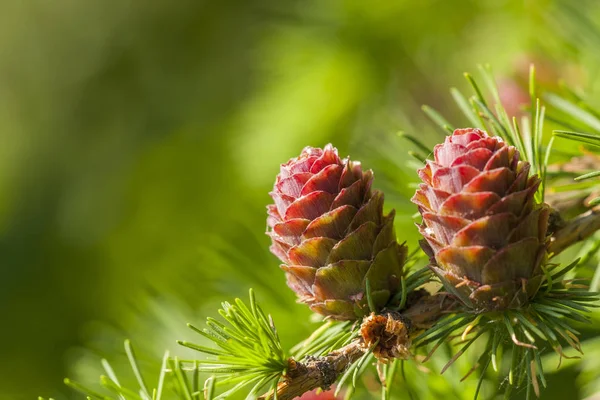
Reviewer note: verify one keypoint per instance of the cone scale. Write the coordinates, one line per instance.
(328, 228)
(483, 229)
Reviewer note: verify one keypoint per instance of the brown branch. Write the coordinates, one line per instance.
(317, 372)
(575, 230)
(387, 334)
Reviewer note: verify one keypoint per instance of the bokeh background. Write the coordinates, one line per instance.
(140, 140)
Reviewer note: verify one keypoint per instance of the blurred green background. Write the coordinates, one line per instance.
(140, 140)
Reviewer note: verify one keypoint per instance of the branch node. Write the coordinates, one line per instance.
(388, 335)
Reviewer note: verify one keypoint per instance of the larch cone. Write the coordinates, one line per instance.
(483, 229)
(328, 228)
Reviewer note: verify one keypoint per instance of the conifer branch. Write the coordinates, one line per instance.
(387, 336)
(247, 354)
(575, 230)
(317, 372)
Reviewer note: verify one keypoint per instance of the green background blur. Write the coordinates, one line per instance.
(140, 140)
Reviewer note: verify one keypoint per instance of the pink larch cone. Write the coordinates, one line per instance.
(327, 227)
(481, 223)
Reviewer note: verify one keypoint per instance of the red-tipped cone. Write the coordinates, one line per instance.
(327, 227)
(481, 223)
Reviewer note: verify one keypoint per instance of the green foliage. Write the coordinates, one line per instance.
(248, 353)
(525, 333)
(248, 350)
(586, 139)
(574, 112)
(171, 374)
(329, 336)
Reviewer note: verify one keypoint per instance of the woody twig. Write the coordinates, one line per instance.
(388, 335)
(575, 230)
